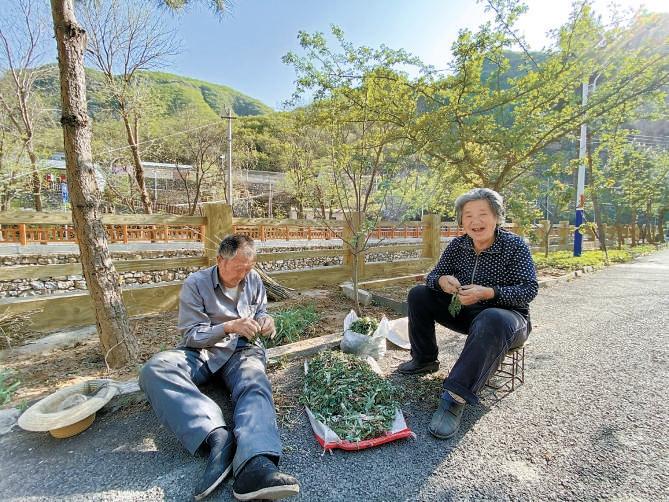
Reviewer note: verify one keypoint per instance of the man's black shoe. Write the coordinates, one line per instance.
(413, 367)
(260, 479)
(219, 464)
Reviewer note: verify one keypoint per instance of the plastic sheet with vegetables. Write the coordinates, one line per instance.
(349, 405)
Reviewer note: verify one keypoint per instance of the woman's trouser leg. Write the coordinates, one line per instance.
(491, 334)
(426, 307)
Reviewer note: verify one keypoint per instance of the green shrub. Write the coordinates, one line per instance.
(643, 249)
(291, 324)
(8, 386)
(564, 260)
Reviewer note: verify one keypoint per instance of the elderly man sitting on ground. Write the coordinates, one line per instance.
(222, 309)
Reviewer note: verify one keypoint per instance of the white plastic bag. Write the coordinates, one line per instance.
(399, 333)
(363, 345)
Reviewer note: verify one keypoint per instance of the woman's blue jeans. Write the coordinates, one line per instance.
(491, 333)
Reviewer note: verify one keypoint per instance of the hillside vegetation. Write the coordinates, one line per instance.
(170, 94)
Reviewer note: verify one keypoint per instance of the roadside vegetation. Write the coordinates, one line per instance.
(564, 260)
(293, 324)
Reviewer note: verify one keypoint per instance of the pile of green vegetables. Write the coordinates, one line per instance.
(364, 326)
(344, 393)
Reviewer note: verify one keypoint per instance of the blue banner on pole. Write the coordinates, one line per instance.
(578, 237)
(64, 192)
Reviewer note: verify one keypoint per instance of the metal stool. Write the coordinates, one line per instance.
(511, 372)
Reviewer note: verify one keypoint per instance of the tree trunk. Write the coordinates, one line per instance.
(633, 227)
(650, 237)
(139, 169)
(36, 181)
(619, 227)
(356, 279)
(547, 238)
(275, 291)
(118, 345)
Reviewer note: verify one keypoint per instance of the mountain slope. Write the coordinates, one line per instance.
(170, 94)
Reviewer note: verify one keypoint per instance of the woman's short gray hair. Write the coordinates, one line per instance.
(495, 201)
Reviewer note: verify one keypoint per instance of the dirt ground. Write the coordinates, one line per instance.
(41, 374)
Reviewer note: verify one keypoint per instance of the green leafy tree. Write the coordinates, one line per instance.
(125, 37)
(493, 122)
(350, 84)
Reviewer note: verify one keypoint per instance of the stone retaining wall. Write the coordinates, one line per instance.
(71, 283)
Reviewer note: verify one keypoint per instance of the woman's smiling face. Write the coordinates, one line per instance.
(479, 222)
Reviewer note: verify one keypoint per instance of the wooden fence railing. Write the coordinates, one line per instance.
(25, 227)
(57, 228)
(63, 311)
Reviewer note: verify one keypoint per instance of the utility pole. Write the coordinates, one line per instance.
(269, 205)
(228, 191)
(580, 181)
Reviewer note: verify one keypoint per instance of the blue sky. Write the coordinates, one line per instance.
(244, 48)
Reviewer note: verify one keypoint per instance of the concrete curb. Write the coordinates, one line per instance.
(61, 338)
(544, 283)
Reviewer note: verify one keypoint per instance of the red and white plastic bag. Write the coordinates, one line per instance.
(329, 439)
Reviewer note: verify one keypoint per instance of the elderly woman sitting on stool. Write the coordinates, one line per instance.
(492, 273)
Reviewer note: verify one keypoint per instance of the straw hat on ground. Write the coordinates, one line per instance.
(69, 411)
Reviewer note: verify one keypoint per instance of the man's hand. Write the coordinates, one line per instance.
(267, 326)
(248, 328)
(473, 293)
(449, 284)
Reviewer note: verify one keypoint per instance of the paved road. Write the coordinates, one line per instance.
(591, 422)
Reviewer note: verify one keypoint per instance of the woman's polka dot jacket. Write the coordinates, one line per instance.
(506, 266)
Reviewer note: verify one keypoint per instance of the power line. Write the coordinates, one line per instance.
(149, 141)
(99, 154)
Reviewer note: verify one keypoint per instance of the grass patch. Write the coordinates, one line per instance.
(293, 324)
(8, 386)
(564, 260)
